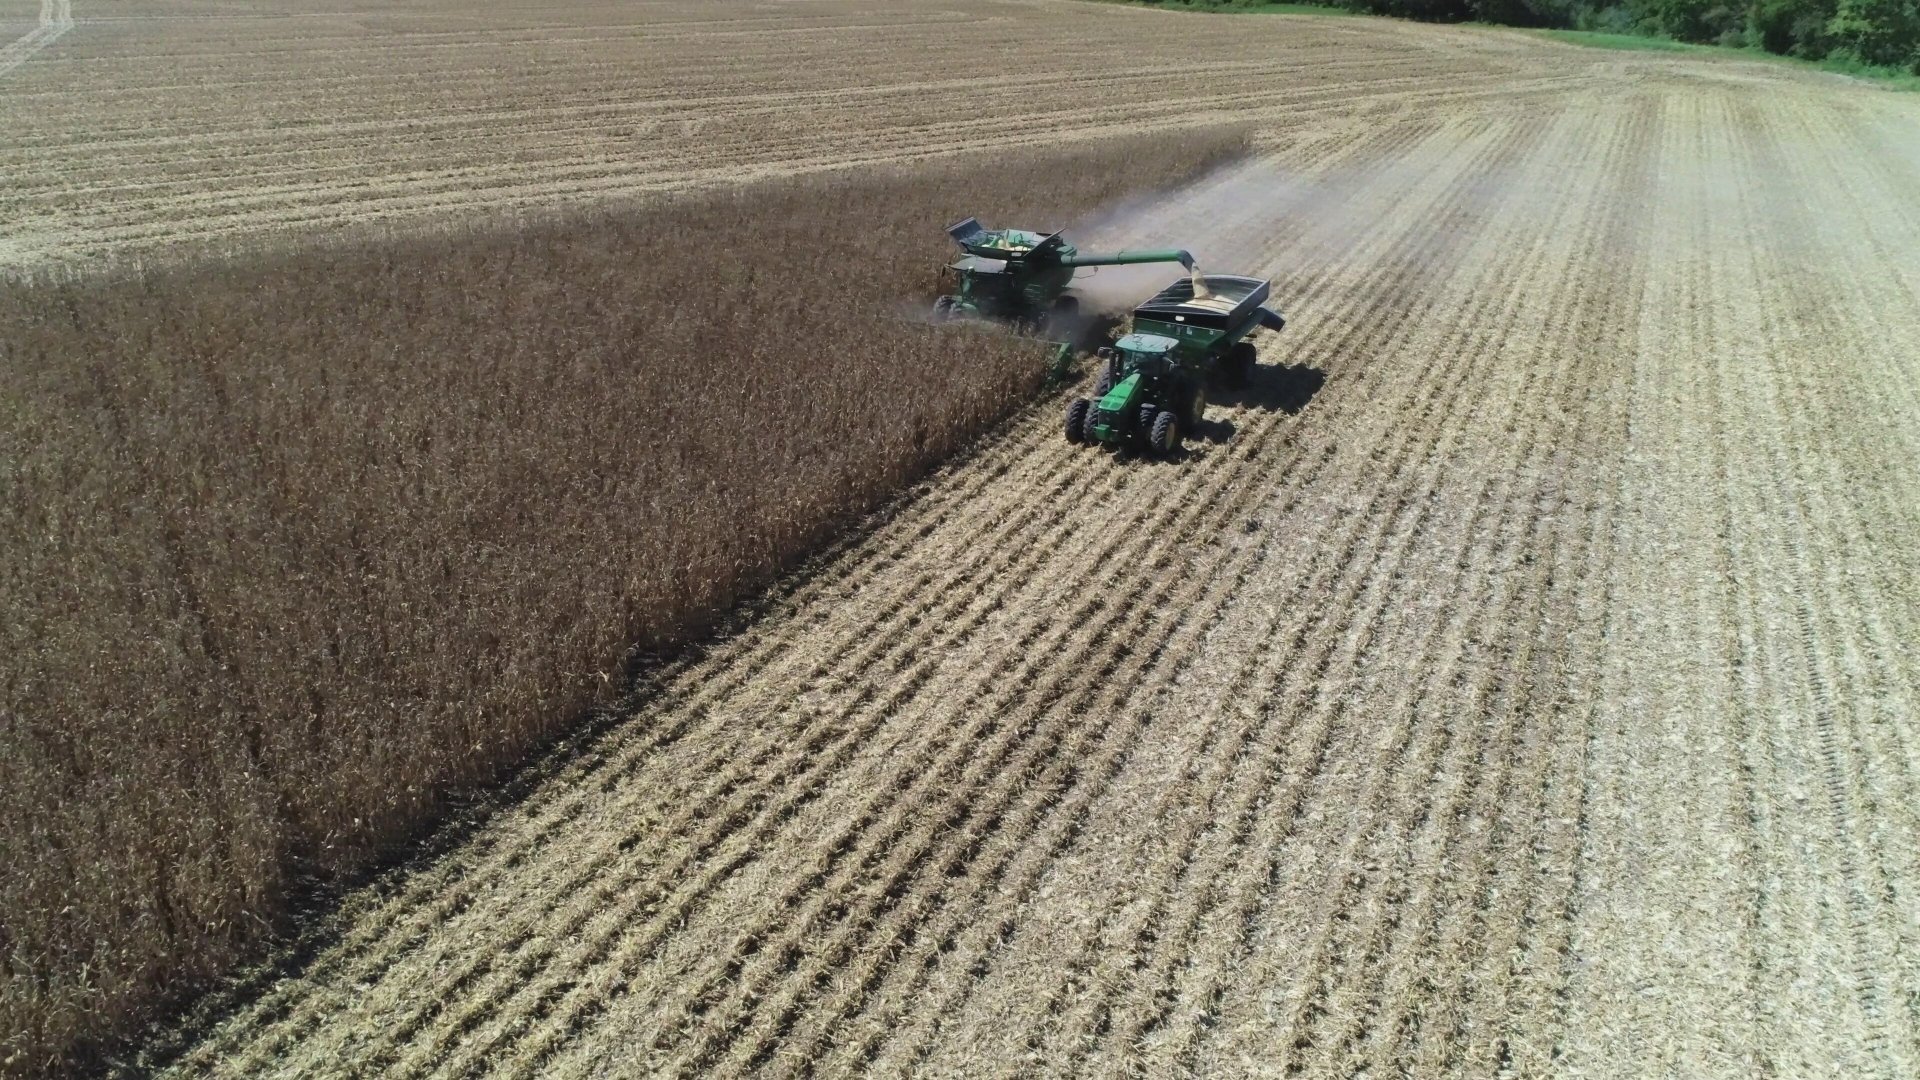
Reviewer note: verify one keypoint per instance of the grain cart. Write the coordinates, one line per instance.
(1152, 388)
(1020, 278)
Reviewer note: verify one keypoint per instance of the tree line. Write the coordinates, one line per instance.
(1875, 33)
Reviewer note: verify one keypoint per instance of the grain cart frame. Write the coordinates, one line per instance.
(1153, 382)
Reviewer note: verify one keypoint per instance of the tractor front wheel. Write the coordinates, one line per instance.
(1165, 433)
(1077, 415)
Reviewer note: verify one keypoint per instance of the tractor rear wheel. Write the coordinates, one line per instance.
(1165, 433)
(1077, 415)
(1109, 378)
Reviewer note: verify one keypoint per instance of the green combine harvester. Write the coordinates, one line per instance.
(1152, 388)
(1020, 278)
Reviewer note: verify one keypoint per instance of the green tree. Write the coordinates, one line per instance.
(1791, 27)
(1883, 32)
(1690, 20)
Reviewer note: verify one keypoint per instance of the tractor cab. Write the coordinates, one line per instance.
(1148, 354)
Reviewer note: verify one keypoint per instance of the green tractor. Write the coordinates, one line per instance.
(1153, 382)
(1020, 278)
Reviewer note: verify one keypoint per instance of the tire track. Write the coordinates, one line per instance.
(1538, 874)
(1814, 525)
(56, 18)
(1864, 877)
(1505, 880)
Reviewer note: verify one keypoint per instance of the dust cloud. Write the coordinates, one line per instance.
(1225, 220)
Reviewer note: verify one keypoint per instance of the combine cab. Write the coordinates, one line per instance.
(1153, 383)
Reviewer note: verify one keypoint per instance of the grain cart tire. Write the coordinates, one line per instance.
(1165, 433)
(942, 308)
(1196, 410)
(1077, 411)
(1239, 366)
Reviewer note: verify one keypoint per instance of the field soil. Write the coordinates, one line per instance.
(1519, 678)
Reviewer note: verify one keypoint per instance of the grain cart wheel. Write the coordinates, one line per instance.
(1196, 410)
(1240, 361)
(1165, 432)
(942, 308)
(1077, 415)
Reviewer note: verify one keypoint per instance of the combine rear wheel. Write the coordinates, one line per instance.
(1165, 433)
(1077, 415)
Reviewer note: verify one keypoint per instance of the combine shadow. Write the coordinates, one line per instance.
(1283, 388)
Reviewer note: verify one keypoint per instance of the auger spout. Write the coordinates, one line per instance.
(1128, 258)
